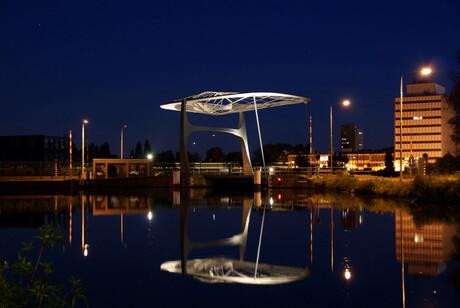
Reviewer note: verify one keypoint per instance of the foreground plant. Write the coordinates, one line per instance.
(28, 282)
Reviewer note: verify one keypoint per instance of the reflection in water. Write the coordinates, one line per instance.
(224, 269)
(421, 251)
(84, 244)
(425, 249)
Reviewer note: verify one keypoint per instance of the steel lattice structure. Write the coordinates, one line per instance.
(222, 103)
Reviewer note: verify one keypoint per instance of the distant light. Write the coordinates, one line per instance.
(150, 215)
(149, 156)
(418, 118)
(85, 121)
(346, 102)
(426, 71)
(271, 169)
(347, 274)
(271, 201)
(85, 250)
(418, 238)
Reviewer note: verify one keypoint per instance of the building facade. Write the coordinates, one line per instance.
(37, 148)
(351, 138)
(425, 130)
(356, 161)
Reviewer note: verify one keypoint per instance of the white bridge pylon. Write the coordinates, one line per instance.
(221, 103)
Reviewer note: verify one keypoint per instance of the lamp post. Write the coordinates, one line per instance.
(83, 149)
(121, 141)
(344, 103)
(424, 71)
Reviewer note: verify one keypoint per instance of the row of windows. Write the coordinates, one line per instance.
(421, 109)
(421, 118)
(430, 141)
(407, 149)
(421, 134)
(418, 102)
(421, 150)
(422, 125)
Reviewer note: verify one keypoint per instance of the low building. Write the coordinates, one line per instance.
(356, 161)
(37, 148)
(104, 168)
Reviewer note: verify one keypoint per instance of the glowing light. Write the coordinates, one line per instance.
(346, 103)
(150, 215)
(347, 274)
(271, 201)
(418, 238)
(149, 156)
(426, 71)
(85, 121)
(85, 250)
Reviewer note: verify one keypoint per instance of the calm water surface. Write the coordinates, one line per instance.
(161, 248)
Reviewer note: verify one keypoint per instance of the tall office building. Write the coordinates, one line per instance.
(425, 130)
(351, 138)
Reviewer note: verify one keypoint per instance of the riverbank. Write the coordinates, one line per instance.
(421, 189)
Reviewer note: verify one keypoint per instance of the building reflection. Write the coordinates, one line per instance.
(352, 218)
(114, 205)
(425, 249)
(33, 211)
(225, 269)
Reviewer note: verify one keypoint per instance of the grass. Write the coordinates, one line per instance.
(422, 189)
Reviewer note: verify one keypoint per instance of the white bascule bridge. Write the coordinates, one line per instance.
(223, 103)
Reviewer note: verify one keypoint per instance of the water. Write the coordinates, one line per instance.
(309, 250)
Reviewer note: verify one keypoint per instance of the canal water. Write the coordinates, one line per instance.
(277, 248)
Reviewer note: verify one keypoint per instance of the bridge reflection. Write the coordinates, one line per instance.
(221, 269)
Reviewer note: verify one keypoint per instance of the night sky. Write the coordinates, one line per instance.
(116, 62)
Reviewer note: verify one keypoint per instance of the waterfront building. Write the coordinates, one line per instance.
(356, 161)
(351, 138)
(425, 128)
(34, 148)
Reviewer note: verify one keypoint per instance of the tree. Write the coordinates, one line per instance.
(165, 157)
(147, 149)
(138, 153)
(389, 165)
(102, 151)
(274, 152)
(215, 154)
(234, 157)
(454, 103)
(447, 164)
(193, 157)
(302, 161)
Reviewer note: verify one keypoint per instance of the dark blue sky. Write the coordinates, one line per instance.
(116, 62)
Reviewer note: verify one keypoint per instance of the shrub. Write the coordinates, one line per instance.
(28, 282)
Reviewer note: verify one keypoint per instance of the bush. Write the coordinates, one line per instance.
(28, 282)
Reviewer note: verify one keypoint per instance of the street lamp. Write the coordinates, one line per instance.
(345, 103)
(121, 141)
(424, 71)
(83, 148)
